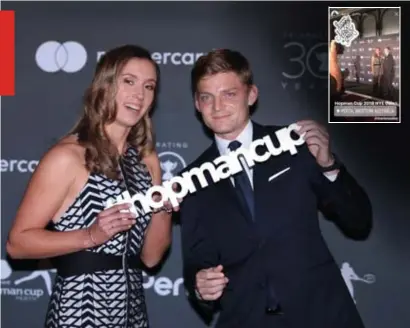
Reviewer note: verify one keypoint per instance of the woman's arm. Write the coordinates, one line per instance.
(334, 66)
(158, 235)
(154, 167)
(44, 196)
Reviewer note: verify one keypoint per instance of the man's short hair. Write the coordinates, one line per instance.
(221, 61)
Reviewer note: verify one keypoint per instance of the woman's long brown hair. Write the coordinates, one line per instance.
(101, 156)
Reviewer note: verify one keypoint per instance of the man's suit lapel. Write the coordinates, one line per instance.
(227, 191)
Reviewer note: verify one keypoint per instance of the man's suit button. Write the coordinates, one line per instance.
(261, 285)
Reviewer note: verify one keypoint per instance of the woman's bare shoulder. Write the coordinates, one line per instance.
(65, 152)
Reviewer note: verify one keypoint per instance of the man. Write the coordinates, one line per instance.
(356, 64)
(387, 73)
(252, 243)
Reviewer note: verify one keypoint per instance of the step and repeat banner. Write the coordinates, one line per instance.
(57, 48)
(357, 58)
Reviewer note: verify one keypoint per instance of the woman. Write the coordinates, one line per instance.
(98, 251)
(376, 67)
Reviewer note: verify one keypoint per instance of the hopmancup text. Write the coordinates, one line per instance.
(221, 168)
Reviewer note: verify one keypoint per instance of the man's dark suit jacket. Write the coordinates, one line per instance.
(284, 242)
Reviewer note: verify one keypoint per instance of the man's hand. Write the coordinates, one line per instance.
(168, 204)
(317, 140)
(210, 283)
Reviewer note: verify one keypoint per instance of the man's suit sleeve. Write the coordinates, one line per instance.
(343, 200)
(198, 248)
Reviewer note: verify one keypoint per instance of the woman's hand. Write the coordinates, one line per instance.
(111, 221)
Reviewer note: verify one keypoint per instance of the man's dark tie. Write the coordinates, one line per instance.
(242, 182)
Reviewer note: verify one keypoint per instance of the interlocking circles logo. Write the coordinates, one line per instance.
(69, 57)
